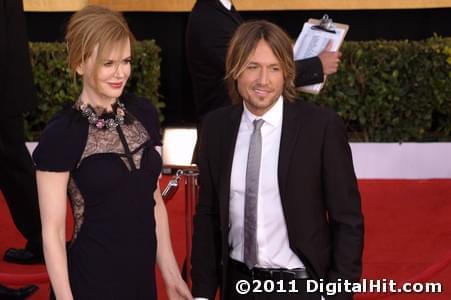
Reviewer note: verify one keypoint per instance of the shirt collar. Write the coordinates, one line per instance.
(226, 3)
(272, 117)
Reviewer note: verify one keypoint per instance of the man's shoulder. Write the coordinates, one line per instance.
(221, 114)
(310, 110)
(206, 9)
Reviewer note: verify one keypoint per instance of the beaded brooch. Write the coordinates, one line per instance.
(104, 122)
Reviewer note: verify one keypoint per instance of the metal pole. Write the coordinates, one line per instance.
(191, 196)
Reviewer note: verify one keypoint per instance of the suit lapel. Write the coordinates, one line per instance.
(230, 132)
(291, 125)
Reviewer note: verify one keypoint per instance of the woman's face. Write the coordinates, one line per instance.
(107, 82)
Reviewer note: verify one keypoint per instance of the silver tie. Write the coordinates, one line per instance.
(251, 195)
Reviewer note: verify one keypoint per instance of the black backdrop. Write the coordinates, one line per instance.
(168, 31)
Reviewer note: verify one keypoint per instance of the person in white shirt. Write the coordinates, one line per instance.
(278, 195)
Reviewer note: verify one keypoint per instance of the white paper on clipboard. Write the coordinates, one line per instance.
(312, 41)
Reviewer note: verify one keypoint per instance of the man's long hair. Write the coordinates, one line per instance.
(243, 44)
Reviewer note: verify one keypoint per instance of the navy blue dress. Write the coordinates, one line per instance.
(113, 174)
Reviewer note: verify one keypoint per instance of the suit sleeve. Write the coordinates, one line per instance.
(308, 71)
(206, 237)
(343, 204)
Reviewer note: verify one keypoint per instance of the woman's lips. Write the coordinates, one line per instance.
(115, 85)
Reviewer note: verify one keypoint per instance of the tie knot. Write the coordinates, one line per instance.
(258, 123)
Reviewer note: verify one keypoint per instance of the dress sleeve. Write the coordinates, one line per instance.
(61, 143)
(147, 114)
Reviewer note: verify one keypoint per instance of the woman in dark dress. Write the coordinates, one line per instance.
(104, 153)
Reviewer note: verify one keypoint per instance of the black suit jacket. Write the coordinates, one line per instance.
(210, 28)
(17, 91)
(318, 189)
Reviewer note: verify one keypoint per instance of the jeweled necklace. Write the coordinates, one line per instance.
(104, 122)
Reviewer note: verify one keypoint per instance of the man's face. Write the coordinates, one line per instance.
(262, 81)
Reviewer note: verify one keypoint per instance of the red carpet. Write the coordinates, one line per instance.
(408, 233)
(407, 226)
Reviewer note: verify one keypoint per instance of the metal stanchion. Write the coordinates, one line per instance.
(190, 174)
(191, 196)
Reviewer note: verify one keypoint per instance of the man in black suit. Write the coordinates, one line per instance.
(278, 194)
(211, 24)
(17, 95)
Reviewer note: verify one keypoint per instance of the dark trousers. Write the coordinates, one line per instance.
(18, 182)
(286, 290)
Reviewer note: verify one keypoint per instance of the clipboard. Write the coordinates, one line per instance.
(313, 38)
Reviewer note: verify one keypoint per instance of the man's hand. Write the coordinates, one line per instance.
(329, 59)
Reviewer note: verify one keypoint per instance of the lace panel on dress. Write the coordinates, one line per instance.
(107, 141)
(78, 206)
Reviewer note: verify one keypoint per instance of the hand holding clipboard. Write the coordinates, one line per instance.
(315, 36)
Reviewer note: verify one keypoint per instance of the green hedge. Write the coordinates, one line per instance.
(393, 91)
(56, 86)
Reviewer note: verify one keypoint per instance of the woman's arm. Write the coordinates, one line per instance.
(52, 192)
(175, 286)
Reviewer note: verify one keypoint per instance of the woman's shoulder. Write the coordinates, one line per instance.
(66, 121)
(139, 105)
(62, 141)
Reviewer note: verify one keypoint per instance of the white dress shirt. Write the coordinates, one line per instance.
(272, 237)
(226, 3)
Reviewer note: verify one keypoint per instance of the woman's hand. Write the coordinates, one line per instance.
(178, 289)
(175, 286)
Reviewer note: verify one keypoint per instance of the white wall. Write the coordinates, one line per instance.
(406, 160)
(393, 160)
